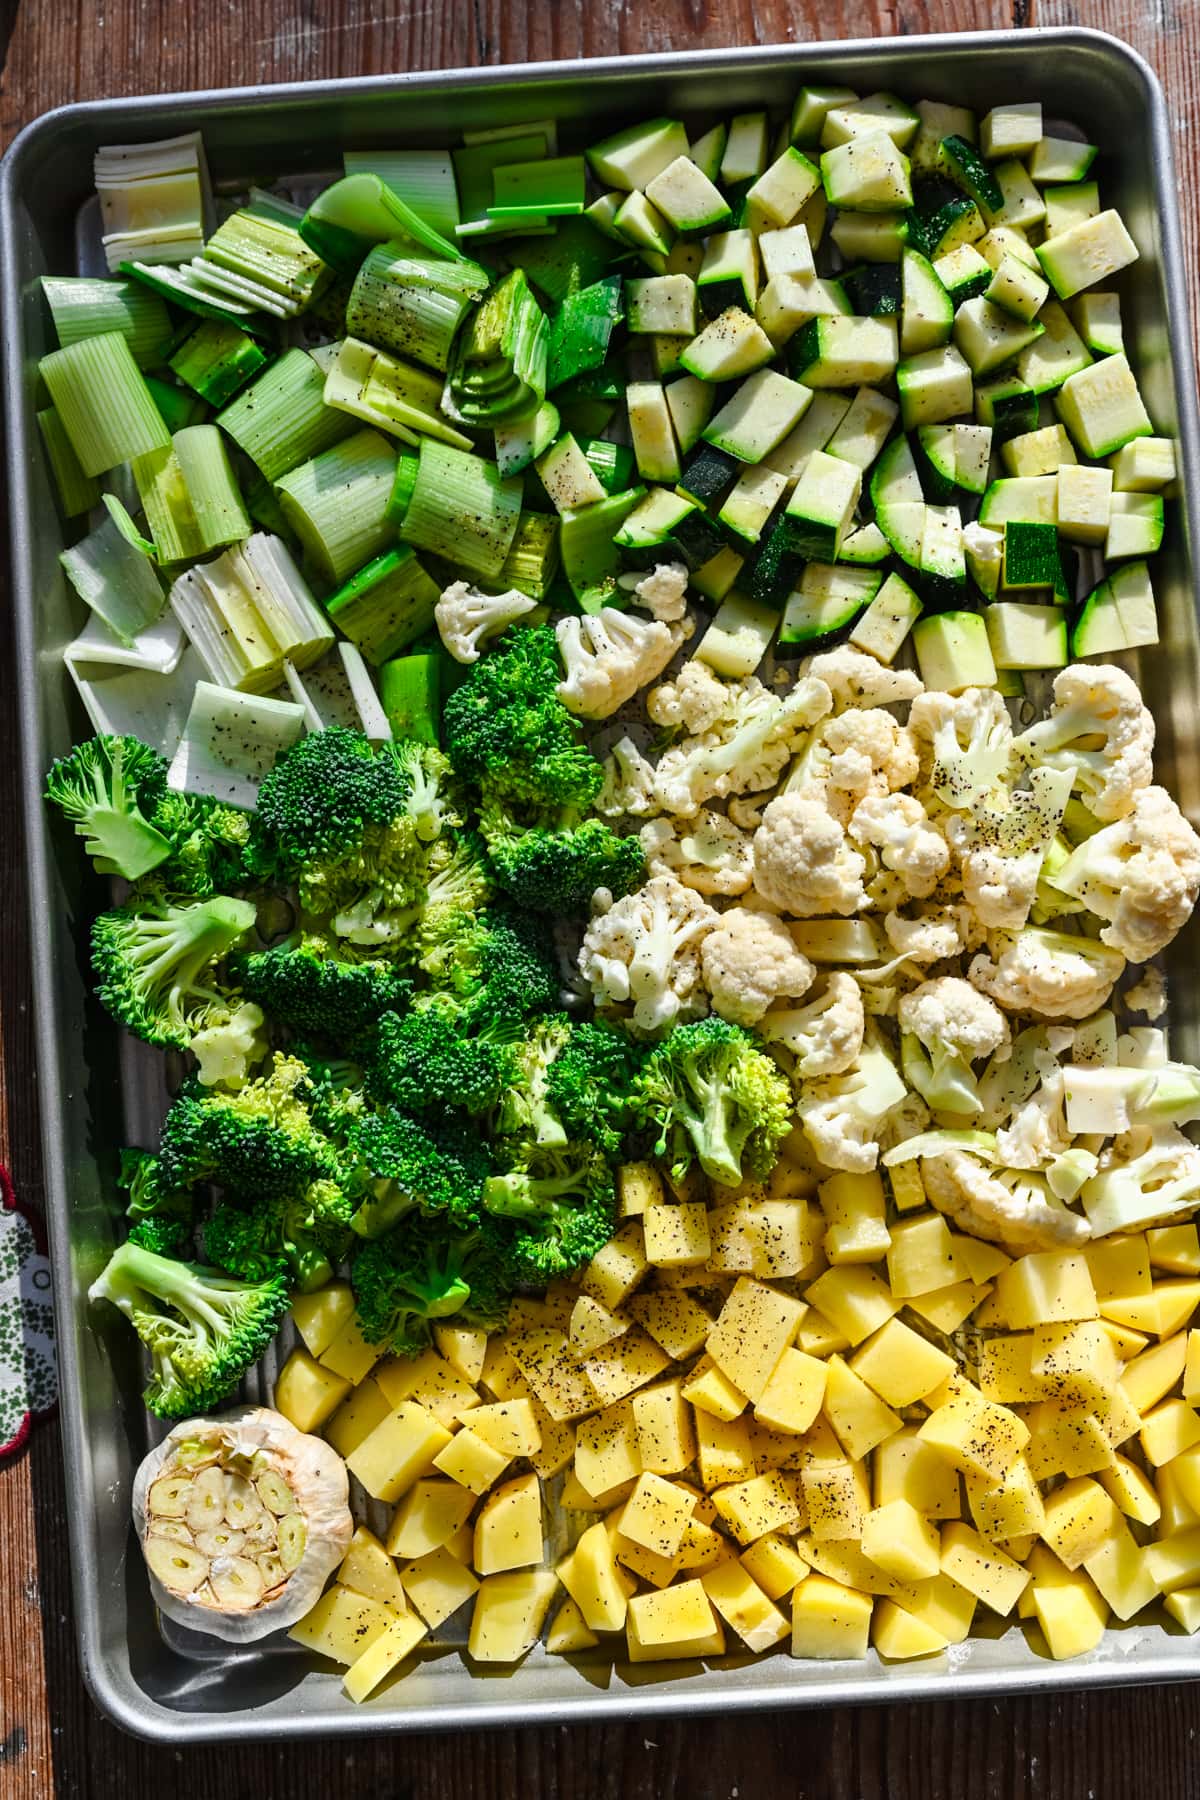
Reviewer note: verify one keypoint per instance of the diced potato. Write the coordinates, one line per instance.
(658, 1571)
(1174, 1561)
(743, 1606)
(775, 1564)
(1047, 1286)
(981, 1568)
(901, 1542)
(908, 1190)
(509, 1426)
(978, 1261)
(946, 1308)
(677, 1236)
(1006, 1369)
(1119, 1266)
(1176, 1302)
(921, 1257)
(677, 1622)
(723, 1450)
(1066, 1440)
(854, 1300)
(781, 1239)
(1168, 1430)
(836, 1498)
(592, 1325)
(855, 1209)
(364, 1408)
(666, 1439)
(462, 1545)
(905, 1468)
(1080, 1516)
(1178, 1514)
(389, 1649)
(464, 1348)
(754, 1327)
(1125, 1484)
(674, 1321)
(509, 1613)
(428, 1517)
(1191, 1369)
(830, 1622)
(1075, 1364)
(976, 1436)
(615, 1271)
(545, 1359)
(656, 1514)
(857, 1414)
(1154, 1373)
(702, 1547)
(624, 1365)
(349, 1354)
(770, 1502)
(591, 1576)
(843, 1559)
(817, 1336)
(1122, 1574)
(1125, 1342)
(795, 1389)
(639, 1186)
(1184, 1607)
(437, 1585)
(945, 1605)
(470, 1461)
(709, 1391)
(568, 1634)
(1007, 1509)
(1175, 1248)
(430, 1381)
(500, 1374)
(1072, 1618)
(557, 1446)
(368, 1569)
(319, 1317)
(575, 1497)
(306, 1393)
(342, 1625)
(606, 1449)
(900, 1365)
(508, 1529)
(898, 1635)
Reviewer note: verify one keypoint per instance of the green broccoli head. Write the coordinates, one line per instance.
(260, 1142)
(562, 1204)
(524, 1115)
(428, 1059)
(431, 800)
(589, 1085)
(505, 723)
(202, 1329)
(313, 985)
(436, 1167)
(301, 1237)
(108, 788)
(557, 869)
(501, 968)
(154, 962)
(452, 881)
(160, 1218)
(422, 1272)
(715, 1097)
(209, 843)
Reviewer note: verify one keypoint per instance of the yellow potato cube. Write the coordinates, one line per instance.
(639, 1187)
(628, 1363)
(775, 1564)
(1174, 1562)
(674, 1321)
(508, 1529)
(599, 1588)
(1122, 1574)
(342, 1625)
(1072, 1619)
(677, 1622)
(753, 1328)
(658, 1571)
(897, 1635)
(702, 1547)
(782, 1237)
(1129, 1488)
(545, 1359)
(656, 1514)
(836, 1499)
(349, 1354)
(616, 1270)
(593, 1325)
(430, 1381)
(733, 1244)
(1176, 1302)
(842, 1559)
(817, 1337)
(743, 1606)
(1185, 1473)
(666, 1439)
(471, 1461)
(509, 1613)
(1139, 1312)
(400, 1450)
(795, 1389)
(723, 1450)
(1175, 1248)
(981, 1568)
(1066, 1440)
(575, 1497)
(428, 1517)
(557, 1446)
(978, 1261)
(464, 1348)
(976, 1436)
(943, 1604)
(830, 1622)
(1155, 1372)
(1184, 1607)
(509, 1426)
(1191, 1369)
(307, 1394)
(907, 1469)
(1006, 1369)
(855, 1208)
(356, 1418)
(1168, 1430)
(922, 1257)
(711, 1392)
(1080, 1516)
(900, 1365)
(854, 1300)
(1119, 1267)
(769, 1502)
(606, 1449)
(389, 1649)
(908, 1190)
(1011, 1508)
(319, 1317)
(1178, 1514)
(1048, 1286)
(677, 1236)
(900, 1542)
(946, 1308)
(437, 1584)
(368, 1569)
(1125, 1342)
(857, 1414)
(568, 1634)
(500, 1375)
(462, 1545)
(1076, 1364)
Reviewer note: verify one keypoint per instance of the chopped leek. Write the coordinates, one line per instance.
(115, 580)
(548, 186)
(217, 359)
(574, 257)
(498, 375)
(411, 690)
(344, 222)
(591, 560)
(475, 167)
(157, 649)
(337, 504)
(532, 562)
(178, 405)
(100, 394)
(339, 691)
(155, 199)
(462, 508)
(581, 331)
(230, 743)
(395, 396)
(247, 611)
(412, 304)
(387, 605)
(282, 420)
(259, 257)
(422, 179)
(191, 500)
(83, 308)
(137, 701)
(182, 288)
(77, 492)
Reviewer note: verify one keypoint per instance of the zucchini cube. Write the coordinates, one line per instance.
(1024, 636)
(691, 204)
(867, 174)
(1031, 557)
(1087, 253)
(1102, 408)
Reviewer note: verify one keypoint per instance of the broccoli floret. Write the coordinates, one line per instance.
(209, 843)
(716, 1097)
(438, 1168)
(430, 801)
(160, 1218)
(152, 959)
(229, 1045)
(557, 869)
(429, 1060)
(313, 985)
(201, 1329)
(422, 1272)
(524, 1115)
(260, 1142)
(590, 1082)
(108, 787)
(563, 1204)
(506, 723)
(302, 1238)
(502, 967)
(455, 882)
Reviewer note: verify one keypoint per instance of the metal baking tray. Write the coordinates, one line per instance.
(95, 1094)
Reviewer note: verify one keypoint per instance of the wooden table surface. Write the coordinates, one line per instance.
(1111, 1746)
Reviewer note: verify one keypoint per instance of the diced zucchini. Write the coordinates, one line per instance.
(1102, 408)
(899, 501)
(959, 222)
(972, 456)
(758, 415)
(1038, 452)
(866, 546)
(641, 224)
(715, 578)
(988, 338)
(942, 556)
(824, 607)
(1144, 465)
(868, 174)
(738, 638)
(1020, 203)
(1067, 206)
(1007, 405)
(745, 155)
(1120, 614)
(1087, 253)
(881, 112)
(810, 109)
(1060, 159)
(633, 157)
(728, 273)
(873, 288)
(1005, 240)
(787, 251)
(567, 475)
(1024, 636)
(1098, 321)
(933, 386)
(1135, 525)
(662, 303)
(935, 459)
(708, 150)
(984, 551)
(790, 301)
(751, 501)
(1011, 130)
(1084, 501)
(1030, 554)
(927, 311)
(882, 629)
(652, 432)
(844, 352)
(691, 204)
(812, 433)
(781, 190)
(822, 505)
(666, 353)
(708, 472)
(938, 122)
(1016, 288)
(964, 273)
(963, 163)
(517, 445)
(1026, 497)
(1059, 352)
(732, 344)
(953, 652)
(690, 403)
(864, 430)
(870, 237)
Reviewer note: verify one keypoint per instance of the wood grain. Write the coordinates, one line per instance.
(1116, 1746)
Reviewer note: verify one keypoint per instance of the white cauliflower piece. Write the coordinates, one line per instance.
(749, 961)
(746, 810)
(964, 742)
(1099, 729)
(947, 1025)
(1149, 995)
(609, 655)
(1145, 1177)
(628, 783)
(1025, 1216)
(898, 826)
(1141, 873)
(842, 1114)
(645, 949)
(697, 699)
(868, 752)
(746, 752)
(1037, 1131)
(466, 618)
(930, 937)
(802, 861)
(1049, 973)
(826, 1036)
(1003, 842)
(708, 852)
(855, 679)
(663, 592)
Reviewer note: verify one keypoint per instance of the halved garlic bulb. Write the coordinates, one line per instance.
(242, 1519)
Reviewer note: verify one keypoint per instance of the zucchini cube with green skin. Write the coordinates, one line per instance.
(729, 272)
(868, 174)
(1046, 363)
(706, 152)
(662, 304)
(933, 386)
(812, 433)
(866, 546)
(942, 554)
(873, 288)
(863, 118)
(1030, 554)
(1098, 322)
(517, 445)
(964, 273)
(787, 251)
(654, 519)
(666, 353)
(758, 415)
(963, 163)
(1011, 130)
(989, 338)
(690, 403)
(782, 189)
(1135, 526)
(745, 155)
(957, 223)
(732, 344)
(938, 122)
(829, 599)
(1060, 159)
(1032, 497)
(1120, 614)
(845, 352)
(790, 301)
(1005, 240)
(738, 638)
(1143, 466)
(751, 501)
(691, 204)
(567, 475)
(1102, 408)
(633, 157)
(865, 429)
(1024, 636)
(1087, 253)
(1021, 205)
(1007, 405)
(871, 238)
(1084, 502)
(708, 472)
(883, 628)
(822, 505)
(640, 223)
(1015, 288)
(935, 458)
(926, 308)
(810, 109)
(652, 432)
(715, 578)
(899, 501)
(953, 652)
(1038, 452)
(1067, 206)
(972, 456)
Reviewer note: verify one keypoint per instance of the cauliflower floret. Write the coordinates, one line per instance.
(947, 1025)
(802, 861)
(466, 618)
(868, 752)
(1025, 1217)
(898, 827)
(964, 742)
(748, 750)
(749, 960)
(1003, 842)
(1146, 1176)
(663, 593)
(826, 1036)
(697, 699)
(628, 783)
(855, 679)
(1149, 995)
(1037, 1131)
(645, 948)
(1100, 730)
(609, 655)
(842, 1114)
(1142, 874)
(930, 937)
(746, 810)
(708, 852)
(1046, 972)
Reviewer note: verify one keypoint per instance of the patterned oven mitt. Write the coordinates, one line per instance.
(28, 1379)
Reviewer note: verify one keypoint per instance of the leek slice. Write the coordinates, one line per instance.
(533, 559)
(387, 605)
(258, 255)
(138, 702)
(191, 500)
(339, 692)
(100, 394)
(475, 165)
(422, 179)
(412, 305)
(77, 492)
(216, 360)
(337, 504)
(395, 396)
(182, 287)
(115, 580)
(155, 199)
(81, 308)
(230, 742)
(282, 420)
(498, 375)
(462, 508)
(249, 610)
(361, 210)
(156, 650)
